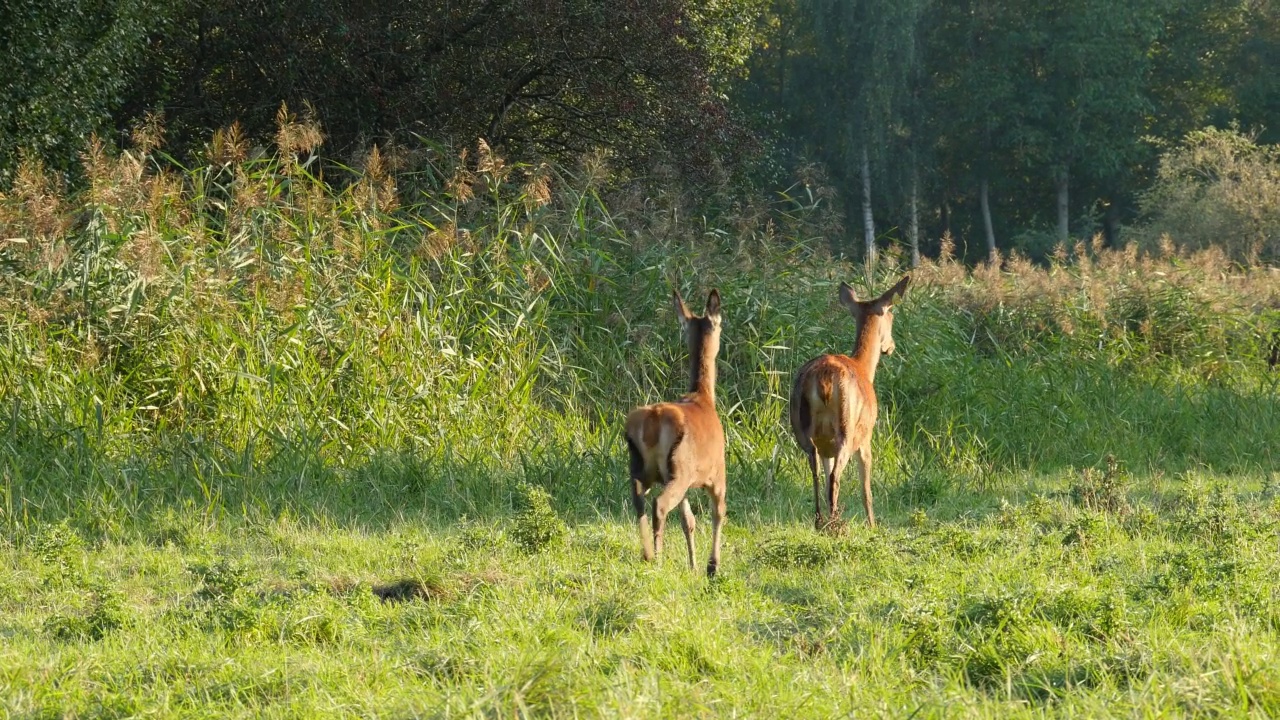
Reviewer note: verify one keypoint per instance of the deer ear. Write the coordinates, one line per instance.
(847, 297)
(895, 293)
(713, 304)
(682, 312)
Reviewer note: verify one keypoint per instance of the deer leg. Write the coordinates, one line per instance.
(656, 539)
(642, 520)
(718, 513)
(826, 475)
(637, 501)
(817, 490)
(834, 470)
(666, 502)
(864, 470)
(687, 521)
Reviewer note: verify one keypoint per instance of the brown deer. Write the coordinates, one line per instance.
(833, 401)
(680, 445)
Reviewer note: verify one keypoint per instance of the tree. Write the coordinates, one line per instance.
(1217, 188)
(67, 65)
(1256, 84)
(836, 81)
(642, 78)
(1025, 109)
(973, 95)
(1085, 91)
(547, 78)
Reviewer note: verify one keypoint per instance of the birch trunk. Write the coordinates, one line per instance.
(914, 220)
(984, 198)
(868, 220)
(1062, 179)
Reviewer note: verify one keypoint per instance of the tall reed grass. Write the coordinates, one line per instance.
(253, 335)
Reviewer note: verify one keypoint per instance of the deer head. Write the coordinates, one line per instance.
(874, 316)
(702, 333)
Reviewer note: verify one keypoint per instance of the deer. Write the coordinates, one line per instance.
(680, 445)
(833, 401)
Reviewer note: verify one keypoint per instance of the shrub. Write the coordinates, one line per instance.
(538, 527)
(1104, 490)
(104, 614)
(1217, 188)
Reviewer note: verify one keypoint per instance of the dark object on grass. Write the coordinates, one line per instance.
(404, 590)
(1274, 360)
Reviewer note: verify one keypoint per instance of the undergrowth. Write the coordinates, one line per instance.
(244, 334)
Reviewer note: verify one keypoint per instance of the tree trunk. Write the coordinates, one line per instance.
(914, 220)
(1062, 179)
(868, 220)
(983, 196)
(1111, 225)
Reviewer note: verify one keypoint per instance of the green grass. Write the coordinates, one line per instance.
(999, 604)
(238, 407)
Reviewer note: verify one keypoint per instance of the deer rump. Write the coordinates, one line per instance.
(828, 405)
(653, 435)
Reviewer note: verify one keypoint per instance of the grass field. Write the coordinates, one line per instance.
(269, 448)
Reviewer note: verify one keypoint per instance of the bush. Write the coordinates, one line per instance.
(538, 527)
(1104, 490)
(1217, 188)
(104, 614)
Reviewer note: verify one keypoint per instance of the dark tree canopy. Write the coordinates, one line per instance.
(549, 77)
(65, 69)
(1022, 122)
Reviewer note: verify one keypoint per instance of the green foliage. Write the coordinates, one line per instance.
(1040, 102)
(792, 549)
(1036, 101)
(56, 544)
(535, 79)
(243, 335)
(1104, 490)
(217, 579)
(68, 66)
(104, 614)
(1217, 188)
(241, 408)
(537, 527)
(1210, 512)
(474, 535)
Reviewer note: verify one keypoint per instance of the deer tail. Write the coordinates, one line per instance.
(824, 403)
(654, 433)
(824, 391)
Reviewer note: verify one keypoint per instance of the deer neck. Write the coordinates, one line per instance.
(866, 348)
(702, 370)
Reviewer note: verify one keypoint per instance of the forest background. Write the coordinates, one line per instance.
(1008, 124)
